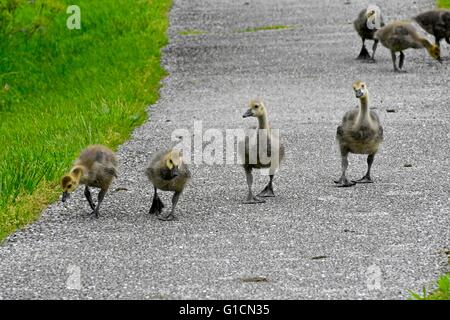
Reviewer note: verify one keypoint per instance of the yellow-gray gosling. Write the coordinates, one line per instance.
(437, 23)
(359, 133)
(167, 172)
(366, 33)
(253, 147)
(95, 167)
(401, 35)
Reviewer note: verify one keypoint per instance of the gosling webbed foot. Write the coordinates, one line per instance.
(253, 200)
(95, 213)
(364, 54)
(365, 179)
(343, 183)
(267, 192)
(169, 217)
(397, 70)
(371, 60)
(157, 206)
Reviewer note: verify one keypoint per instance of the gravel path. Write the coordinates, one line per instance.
(314, 241)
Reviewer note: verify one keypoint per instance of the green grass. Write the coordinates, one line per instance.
(276, 27)
(192, 32)
(443, 4)
(61, 90)
(441, 293)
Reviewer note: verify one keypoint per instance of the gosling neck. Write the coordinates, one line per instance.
(263, 121)
(364, 109)
(78, 172)
(425, 43)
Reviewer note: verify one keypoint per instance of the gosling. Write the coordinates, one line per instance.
(368, 22)
(256, 153)
(437, 23)
(168, 172)
(95, 167)
(401, 35)
(359, 133)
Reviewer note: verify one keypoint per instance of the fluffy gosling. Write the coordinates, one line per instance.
(253, 147)
(167, 172)
(95, 167)
(359, 133)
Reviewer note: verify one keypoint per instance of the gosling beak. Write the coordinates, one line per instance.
(65, 196)
(439, 59)
(249, 113)
(359, 93)
(175, 172)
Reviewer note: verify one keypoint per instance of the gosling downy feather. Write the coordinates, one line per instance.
(95, 167)
(167, 172)
(359, 133)
(401, 35)
(437, 23)
(259, 154)
(367, 31)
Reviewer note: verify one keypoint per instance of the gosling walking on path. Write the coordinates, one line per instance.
(366, 24)
(254, 147)
(168, 172)
(95, 167)
(401, 35)
(437, 23)
(359, 133)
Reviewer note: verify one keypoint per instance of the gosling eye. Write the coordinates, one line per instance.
(69, 186)
(256, 106)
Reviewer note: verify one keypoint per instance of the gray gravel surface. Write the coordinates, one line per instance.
(313, 241)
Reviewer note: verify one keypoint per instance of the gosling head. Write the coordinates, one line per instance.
(70, 182)
(435, 52)
(256, 108)
(173, 162)
(360, 89)
(373, 17)
(371, 13)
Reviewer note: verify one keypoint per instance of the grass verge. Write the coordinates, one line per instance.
(443, 4)
(441, 293)
(62, 89)
(192, 32)
(262, 28)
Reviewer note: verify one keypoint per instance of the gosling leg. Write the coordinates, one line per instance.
(394, 61)
(268, 190)
(171, 215)
(157, 204)
(343, 181)
(374, 49)
(402, 60)
(250, 197)
(367, 178)
(101, 196)
(87, 194)
(364, 54)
